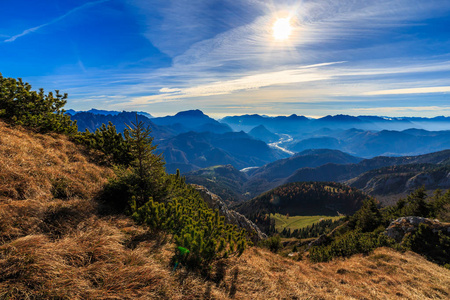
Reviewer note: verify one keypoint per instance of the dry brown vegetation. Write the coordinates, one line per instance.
(46, 183)
(54, 245)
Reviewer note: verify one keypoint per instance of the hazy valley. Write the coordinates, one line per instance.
(191, 141)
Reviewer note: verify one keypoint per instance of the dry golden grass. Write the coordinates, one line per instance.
(385, 274)
(46, 183)
(60, 248)
(36, 166)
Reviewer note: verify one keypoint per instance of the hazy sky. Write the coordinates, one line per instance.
(388, 58)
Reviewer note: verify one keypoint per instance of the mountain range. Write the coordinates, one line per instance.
(106, 112)
(375, 143)
(295, 124)
(193, 150)
(262, 145)
(386, 178)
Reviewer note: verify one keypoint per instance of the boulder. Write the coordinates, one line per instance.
(400, 227)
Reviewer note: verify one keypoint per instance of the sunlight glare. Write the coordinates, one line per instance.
(282, 29)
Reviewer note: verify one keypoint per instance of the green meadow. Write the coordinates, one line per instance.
(297, 222)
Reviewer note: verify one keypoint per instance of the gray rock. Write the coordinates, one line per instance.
(231, 216)
(400, 227)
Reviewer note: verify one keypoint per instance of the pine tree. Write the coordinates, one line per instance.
(368, 217)
(148, 167)
(417, 204)
(112, 143)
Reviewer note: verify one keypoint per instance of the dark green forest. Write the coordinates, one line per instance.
(305, 199)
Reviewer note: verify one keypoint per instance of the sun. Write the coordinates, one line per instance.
(282, 29)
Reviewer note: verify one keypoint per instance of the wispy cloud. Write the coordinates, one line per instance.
(225, 57)
(36, 28)
(422, 90)
(257, 81)
(402, 109)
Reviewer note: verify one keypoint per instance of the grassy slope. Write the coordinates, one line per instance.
(62, 248)
(297, 222)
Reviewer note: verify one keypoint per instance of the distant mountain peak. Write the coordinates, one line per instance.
(318, 151)
(191, 113)
(260, 132)
(341, 118)
(95, 111)
(297, 117)
(260, 127)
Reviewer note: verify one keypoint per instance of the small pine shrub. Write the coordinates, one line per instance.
(352, 242)
(143, 178)
(273, 243)
(434, 245)
(42, 112)
(368, 217)
(194, 226)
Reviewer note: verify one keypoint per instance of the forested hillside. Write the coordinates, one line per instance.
(389, 182)
(337, 172)
(303, 199)
(226, 181)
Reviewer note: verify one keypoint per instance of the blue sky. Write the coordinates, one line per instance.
(389, 58)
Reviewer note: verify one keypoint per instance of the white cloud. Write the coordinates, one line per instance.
(421, 90)
(301, 74)
(36, 28)
(402, 109)
(169, 90)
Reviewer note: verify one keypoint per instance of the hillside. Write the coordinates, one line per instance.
(335, 172)
(233, 185)
(305, 199)
(370, 143)
(226, 181)
(389, 183)
(191, 151)
(262, 133)
(316, 143)
(273, 174)
(55, 244)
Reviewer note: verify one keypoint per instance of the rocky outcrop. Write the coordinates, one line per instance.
(324, 238)
(231, 216)
(402, 179)
(400, 227)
